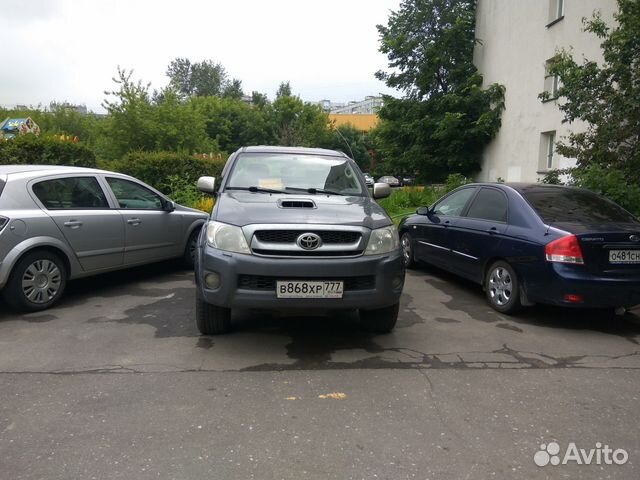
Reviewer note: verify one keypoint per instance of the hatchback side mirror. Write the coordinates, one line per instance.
(169, 206)
(423, 211)
(207, 184)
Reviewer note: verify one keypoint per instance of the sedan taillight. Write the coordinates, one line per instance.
(564, 250)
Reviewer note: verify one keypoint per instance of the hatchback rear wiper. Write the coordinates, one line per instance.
(314, 191)
(257, 189)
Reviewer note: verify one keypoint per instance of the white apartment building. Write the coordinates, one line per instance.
(518, 38)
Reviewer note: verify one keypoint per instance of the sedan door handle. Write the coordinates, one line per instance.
(492, 230)
(446, 223)
(134, 221)
(73, 224)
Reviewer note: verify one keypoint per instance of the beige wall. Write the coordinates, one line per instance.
(515, 44)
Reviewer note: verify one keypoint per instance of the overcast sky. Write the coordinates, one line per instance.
(69, 50)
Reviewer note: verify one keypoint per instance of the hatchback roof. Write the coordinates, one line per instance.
(14, 169)
(298, 150)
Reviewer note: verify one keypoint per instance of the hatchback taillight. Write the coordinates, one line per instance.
(564, 250)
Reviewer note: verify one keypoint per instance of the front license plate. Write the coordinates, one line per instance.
(624, 256)
(309, 289)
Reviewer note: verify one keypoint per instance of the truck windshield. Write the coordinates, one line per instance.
(294, 173)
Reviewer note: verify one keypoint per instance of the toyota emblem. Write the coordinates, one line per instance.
(309, 241)
(635, 238)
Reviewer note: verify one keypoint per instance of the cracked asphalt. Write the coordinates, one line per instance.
(116, 383)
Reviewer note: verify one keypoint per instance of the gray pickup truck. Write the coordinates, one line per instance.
(296, 228)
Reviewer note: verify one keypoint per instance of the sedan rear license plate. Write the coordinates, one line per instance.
(309, 289)
(618, 257)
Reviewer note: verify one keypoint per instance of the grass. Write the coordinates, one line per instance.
(404, 201)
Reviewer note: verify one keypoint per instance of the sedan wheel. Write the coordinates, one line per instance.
(36, 282)
(502, 288)
(407, 250)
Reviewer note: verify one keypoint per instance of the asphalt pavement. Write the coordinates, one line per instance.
(116, 383)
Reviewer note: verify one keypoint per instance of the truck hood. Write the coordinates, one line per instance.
(246, 208)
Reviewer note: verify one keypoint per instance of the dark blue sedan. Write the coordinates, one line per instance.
(531, 243)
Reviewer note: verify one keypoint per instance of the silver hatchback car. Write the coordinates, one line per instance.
(60, 223)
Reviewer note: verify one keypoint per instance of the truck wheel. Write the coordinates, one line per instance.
(210, 319)
(380, 320)
(36, 282)
(502, 288)
(189, 256)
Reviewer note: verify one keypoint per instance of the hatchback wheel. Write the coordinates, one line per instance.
(36, 282)
(502, 288)
(407, 250)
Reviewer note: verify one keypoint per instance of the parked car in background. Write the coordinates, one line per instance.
(368, 180)
(60, 223)
(296, 229)
(389, 180)
(406, 180)
(531, 243)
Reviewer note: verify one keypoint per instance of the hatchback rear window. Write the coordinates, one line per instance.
(576, 206)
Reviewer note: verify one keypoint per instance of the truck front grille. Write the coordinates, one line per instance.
(290, 236)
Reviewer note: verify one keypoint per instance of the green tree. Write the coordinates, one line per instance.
(353, 142)
(199, 79)
(137, 123)
(445, 118)
(284, 90)
(232, 123)
(607, 98)
(233, 89)
(296, 123)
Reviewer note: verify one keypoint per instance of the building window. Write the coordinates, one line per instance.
(547, 151)
(551, 82)
(556, 11)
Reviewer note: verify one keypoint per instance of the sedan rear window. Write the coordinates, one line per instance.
(576, 206)
(2, 182)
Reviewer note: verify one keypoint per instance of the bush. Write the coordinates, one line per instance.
(172, 173)
(406, 200)
(32, 150)
(454, 181)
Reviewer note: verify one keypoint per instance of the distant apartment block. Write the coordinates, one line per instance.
(370, 105)
(517, 39)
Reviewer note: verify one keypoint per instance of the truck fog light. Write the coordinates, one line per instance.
(212, 280)
(397, 282)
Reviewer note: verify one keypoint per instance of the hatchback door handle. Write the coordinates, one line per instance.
(73, 224)
(134, 221)
(492, 230)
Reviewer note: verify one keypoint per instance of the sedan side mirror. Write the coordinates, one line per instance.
(169, 206)
(207, 184)
(381, 190)
(423, 211)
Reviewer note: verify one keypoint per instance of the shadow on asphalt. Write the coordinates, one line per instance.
(468, 296)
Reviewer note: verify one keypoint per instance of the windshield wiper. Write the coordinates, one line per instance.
(314, 191)
(257, 189)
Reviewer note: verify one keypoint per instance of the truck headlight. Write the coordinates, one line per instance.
(383, 240)
(227, 237)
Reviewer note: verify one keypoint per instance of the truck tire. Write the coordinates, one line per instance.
(380, 320)
(211, 319)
